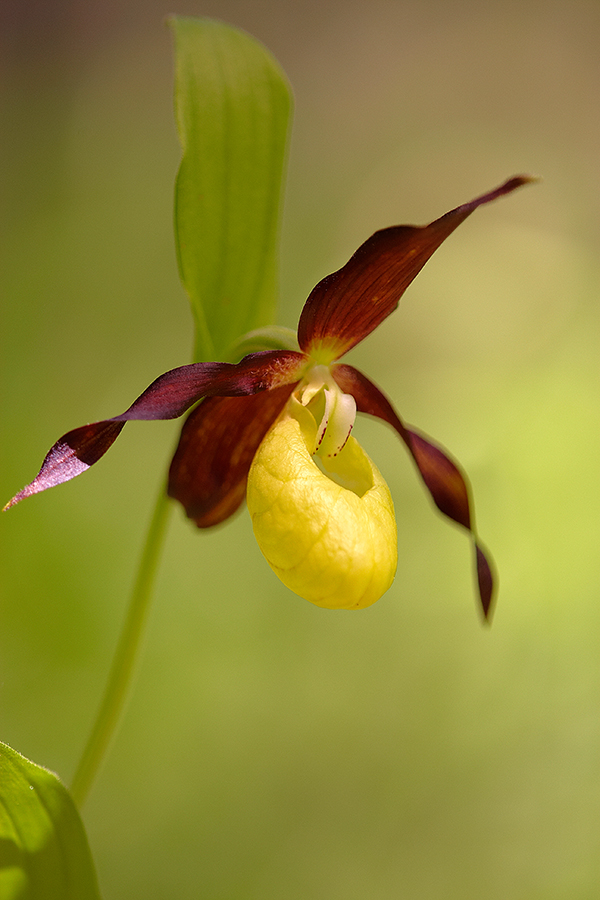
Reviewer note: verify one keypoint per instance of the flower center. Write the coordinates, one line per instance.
(333, 411)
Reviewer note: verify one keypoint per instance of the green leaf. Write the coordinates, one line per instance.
(272, 337)
(233, 106)
(44, 854)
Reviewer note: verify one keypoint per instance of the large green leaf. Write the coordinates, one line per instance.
(233, 106)
(44, 854)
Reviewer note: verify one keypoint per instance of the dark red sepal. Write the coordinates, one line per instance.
(168, 397)
(217, 445)
(176, 391)
(485, 580)
(71, 455)
(442, 476)
(349, 304)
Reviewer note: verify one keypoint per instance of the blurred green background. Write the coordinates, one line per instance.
(273, 749)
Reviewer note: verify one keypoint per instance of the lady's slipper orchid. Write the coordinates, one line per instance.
(277, 426)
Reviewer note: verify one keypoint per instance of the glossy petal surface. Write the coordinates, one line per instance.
(442, 476)
(174, 392)
(334, 545)
(349, 304)
(216, 448)
(166, 398)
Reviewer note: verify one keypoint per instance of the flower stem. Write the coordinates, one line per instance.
(126, 655)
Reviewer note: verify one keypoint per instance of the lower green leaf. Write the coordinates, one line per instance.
(44, 853)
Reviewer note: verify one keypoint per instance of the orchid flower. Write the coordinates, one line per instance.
(276, 426)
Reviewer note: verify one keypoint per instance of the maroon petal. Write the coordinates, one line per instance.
(217, 445)
(349, 304)
(167, 398)
(442, 476)
(485, 580)
(71, 455)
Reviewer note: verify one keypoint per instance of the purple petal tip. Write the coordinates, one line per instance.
(485, 581)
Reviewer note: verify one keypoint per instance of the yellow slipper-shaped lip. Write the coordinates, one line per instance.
(326, 528)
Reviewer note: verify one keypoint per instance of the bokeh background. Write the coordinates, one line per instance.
(272, 749)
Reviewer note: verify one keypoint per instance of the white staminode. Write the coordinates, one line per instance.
(333, 410)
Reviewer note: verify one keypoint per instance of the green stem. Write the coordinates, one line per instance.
(126, 655)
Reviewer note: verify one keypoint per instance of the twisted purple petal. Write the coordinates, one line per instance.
(166, 398)
(443, 478)
(349, 304)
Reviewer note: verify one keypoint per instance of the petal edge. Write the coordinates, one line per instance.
(350, 303)
(445, 481)
(217, 445)
(168, 397)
